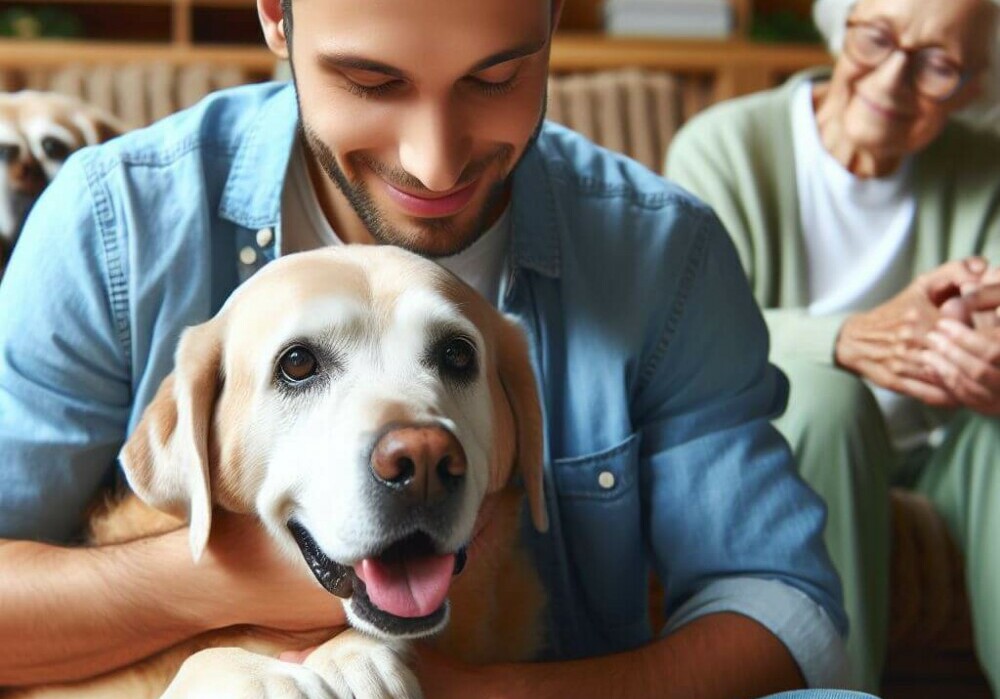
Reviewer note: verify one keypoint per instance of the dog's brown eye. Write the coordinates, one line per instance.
(54, 148)
(9, 153)
(458, 357)
(297, 364)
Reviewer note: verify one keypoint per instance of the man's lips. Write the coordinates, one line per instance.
(432, 207)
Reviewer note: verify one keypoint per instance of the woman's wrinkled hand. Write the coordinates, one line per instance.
(888, 344)
(964, 346)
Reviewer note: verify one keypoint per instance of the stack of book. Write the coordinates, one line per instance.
(691, 19)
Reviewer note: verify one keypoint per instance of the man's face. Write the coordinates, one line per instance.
(884, 111)
(418, 110)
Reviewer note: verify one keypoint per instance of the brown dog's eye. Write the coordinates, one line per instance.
(457, 358)
(54, 148)
(9, 153)
(297, 364)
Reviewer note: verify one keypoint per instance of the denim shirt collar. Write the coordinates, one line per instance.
(252, 194)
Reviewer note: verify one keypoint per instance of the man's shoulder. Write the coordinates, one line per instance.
(215, 126)
(584, 176)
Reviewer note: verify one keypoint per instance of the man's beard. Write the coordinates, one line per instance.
(433, 237)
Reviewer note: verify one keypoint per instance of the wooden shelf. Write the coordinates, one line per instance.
(734, 67)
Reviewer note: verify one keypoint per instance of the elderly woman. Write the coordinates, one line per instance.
(866, 216)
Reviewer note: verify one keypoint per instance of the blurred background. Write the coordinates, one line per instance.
(627, 73)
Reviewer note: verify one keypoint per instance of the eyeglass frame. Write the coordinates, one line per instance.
(964, 74)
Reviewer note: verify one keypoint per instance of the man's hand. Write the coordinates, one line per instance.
(887, 344)
(256, 583)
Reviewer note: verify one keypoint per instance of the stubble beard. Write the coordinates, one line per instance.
(430, 237)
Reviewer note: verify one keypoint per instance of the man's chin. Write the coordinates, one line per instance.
(430, 237)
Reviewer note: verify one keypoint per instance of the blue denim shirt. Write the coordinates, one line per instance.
(651, 354)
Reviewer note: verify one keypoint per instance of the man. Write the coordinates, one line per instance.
(420, 126)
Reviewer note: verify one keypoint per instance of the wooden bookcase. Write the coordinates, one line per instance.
(226, 33)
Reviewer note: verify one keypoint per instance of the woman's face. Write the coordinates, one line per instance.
(886, 108)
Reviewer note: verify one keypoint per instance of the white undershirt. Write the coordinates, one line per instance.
(858, 242)
(304, 227)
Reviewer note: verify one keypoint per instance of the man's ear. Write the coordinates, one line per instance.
(518, 381)
(166, 460)
(273, 24)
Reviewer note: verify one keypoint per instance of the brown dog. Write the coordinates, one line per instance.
(371, 410)
(38, 131)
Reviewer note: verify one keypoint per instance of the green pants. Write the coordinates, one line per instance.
(835, 428)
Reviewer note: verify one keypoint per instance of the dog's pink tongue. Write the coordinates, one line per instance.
(411, 588)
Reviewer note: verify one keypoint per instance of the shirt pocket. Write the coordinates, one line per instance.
(601, 515)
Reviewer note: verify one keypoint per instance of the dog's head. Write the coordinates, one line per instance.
(38, 131)
(362, 402)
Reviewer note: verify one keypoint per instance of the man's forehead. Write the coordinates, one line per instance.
(427, 31)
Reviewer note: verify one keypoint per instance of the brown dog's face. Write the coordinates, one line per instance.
(362, 402)
(38, 131)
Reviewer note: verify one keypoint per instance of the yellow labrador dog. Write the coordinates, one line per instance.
(38, 131)
(379, 417)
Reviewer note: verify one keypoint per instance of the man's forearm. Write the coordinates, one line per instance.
(68, 613)
(719, 656)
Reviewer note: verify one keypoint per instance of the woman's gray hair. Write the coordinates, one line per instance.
(831, 20)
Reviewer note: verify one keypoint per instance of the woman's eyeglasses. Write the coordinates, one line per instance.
(934, 74)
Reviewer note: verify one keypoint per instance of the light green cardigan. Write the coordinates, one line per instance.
(738, 157)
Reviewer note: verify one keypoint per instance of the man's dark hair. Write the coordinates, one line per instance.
(286, 20)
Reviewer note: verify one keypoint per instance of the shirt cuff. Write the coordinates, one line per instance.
(791, 615)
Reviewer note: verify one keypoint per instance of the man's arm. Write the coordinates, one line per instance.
(70, 613)
(716, 656)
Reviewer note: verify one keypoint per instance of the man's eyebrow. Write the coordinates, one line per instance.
(351, 62)
(525, 49)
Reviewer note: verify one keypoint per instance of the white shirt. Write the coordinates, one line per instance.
(305, 227)
(858, 239)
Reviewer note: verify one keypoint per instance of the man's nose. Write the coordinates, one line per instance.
(435, 148)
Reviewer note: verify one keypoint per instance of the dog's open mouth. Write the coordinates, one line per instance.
(401, 591)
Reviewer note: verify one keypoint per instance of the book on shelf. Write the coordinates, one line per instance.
(671, 18)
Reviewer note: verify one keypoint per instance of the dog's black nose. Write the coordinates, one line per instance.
(425, 462)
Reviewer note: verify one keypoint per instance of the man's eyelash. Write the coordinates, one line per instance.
(492, 89)
(489, 89)
(371, 91)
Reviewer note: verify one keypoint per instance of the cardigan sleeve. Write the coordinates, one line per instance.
(731, 157)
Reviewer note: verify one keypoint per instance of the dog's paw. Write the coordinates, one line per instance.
(357, 666)
(234, 673)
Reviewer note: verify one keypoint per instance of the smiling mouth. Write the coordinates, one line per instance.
(434, 206)
(400, 591)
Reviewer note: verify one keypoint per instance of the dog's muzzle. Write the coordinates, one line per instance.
(402, 591)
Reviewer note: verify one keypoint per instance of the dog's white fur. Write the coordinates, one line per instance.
(222, 431)
(31, 123)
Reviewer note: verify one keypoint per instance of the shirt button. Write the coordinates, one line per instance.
(606, 480)
(264, 237)
(248, 256)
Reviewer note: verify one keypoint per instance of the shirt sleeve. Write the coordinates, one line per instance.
(725, 499)
(64, 380)
(799, 623)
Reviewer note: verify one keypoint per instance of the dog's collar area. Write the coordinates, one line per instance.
(335, 578)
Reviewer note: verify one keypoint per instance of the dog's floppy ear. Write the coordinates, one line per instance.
(518, 381)
(98, 126)
(166, 460)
